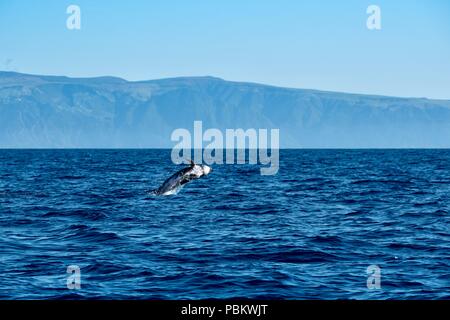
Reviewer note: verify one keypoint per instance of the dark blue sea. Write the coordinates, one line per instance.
(309, 232)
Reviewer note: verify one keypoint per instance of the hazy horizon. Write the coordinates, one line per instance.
(62, 112)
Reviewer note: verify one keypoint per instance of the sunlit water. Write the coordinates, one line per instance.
(308, 232)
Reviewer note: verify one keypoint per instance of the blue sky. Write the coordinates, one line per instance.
(315, 44)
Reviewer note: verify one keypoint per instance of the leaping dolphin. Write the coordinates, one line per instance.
(185, 175)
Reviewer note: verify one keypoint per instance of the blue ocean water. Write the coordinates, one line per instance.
(309, 232)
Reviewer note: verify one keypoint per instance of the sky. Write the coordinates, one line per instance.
(323, 45)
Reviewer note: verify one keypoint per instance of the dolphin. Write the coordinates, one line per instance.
(179, 179)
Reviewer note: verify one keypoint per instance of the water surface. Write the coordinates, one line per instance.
(308, 232)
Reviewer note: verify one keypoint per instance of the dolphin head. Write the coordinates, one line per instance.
(206, 169)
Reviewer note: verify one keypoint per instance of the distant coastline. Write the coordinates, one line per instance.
(108, 112)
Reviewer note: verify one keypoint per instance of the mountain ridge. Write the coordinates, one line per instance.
(110, 112)
(210, 77)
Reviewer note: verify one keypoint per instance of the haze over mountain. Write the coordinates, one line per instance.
(61, 112)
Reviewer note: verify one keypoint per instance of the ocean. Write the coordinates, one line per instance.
(309, 232)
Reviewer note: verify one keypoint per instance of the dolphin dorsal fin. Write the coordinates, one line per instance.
(192, 163)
